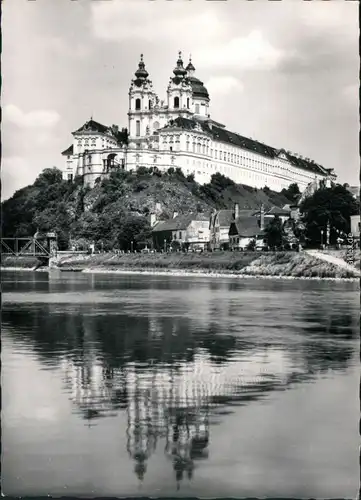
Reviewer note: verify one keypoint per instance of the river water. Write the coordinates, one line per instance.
(116, 385)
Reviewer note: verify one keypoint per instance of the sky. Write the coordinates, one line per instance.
(285, 73)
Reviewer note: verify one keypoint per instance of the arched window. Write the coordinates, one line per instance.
(176, 102)
(137, 104)
(137, 130)
(150, 104)
(188, 102)
(197, 109)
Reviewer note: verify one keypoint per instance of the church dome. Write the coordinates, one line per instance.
(190, 66)
(179, 71)
(198, 89)
(141, 71)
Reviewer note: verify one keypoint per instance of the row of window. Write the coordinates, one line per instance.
(176, 104)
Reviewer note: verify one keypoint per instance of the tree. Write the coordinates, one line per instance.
(331, 207)
(292, 192)
(251, 245)
(48, 177)
(179, 172)
(274, 233)
(134, 229)
(175, 245)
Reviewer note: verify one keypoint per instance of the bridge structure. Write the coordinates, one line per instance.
(25, 247)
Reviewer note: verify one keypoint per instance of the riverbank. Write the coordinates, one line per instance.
(216, 264)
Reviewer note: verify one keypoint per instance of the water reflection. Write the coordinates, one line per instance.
(177, 357)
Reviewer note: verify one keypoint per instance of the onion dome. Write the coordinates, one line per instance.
(190, 67)
(141, 71)
(179, 70)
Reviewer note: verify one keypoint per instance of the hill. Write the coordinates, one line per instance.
(116, 211)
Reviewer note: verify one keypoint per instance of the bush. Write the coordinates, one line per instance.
(140, 186)
(157, 172)
(142, 171)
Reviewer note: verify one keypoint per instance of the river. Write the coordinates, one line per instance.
(116, 385)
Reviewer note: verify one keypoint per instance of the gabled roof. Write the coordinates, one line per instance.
(180, 223)
(247, 226)
(224, 135)
(93, 126)
(225, 217)
(278, 211)
(69, 151)
(246, 212)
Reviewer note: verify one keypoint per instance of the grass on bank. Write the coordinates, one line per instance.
(288, 264)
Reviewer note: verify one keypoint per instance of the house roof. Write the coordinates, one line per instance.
(224, 135)
(225, 217)
(93, 126)
(180, 223)
(246, 213)
(247, 226)
(69, 151)
(278, 211)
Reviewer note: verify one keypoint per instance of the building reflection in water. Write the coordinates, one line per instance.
(157, 411)
(172, 372)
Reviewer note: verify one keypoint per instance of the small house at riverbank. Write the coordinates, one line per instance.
(246, 226)
(219, 224)
(190, 230)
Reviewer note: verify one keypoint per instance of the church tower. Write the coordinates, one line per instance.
(200, 96)
(142, 99)
(179, 92)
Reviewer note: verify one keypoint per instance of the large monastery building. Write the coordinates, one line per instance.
(180, 133)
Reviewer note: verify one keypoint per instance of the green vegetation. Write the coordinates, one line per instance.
(115, 213)
(274, 234)
(250, 263)
(292, 192)
(332, 206)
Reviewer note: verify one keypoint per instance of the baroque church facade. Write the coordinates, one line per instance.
(180, 133)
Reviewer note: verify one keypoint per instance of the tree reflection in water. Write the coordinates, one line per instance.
(177, 375)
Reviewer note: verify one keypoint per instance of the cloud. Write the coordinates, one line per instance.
(252, 51)
(65, 48)
(223, 85)
(124, 20)
(330, 16)
(33, 119)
